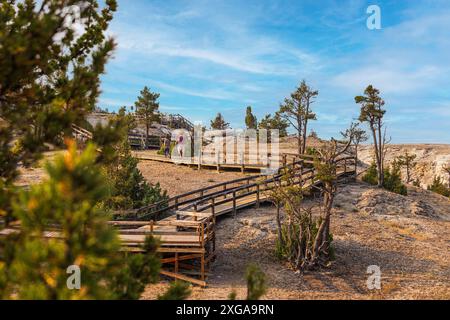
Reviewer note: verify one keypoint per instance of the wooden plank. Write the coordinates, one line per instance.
(179, 276)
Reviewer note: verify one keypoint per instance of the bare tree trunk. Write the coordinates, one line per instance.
(299, 137)
(280, 234)
(147, 127)
(381, 156)
(305, 128)
(377, 154)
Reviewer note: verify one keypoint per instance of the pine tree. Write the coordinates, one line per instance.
(49, 78)
(372, 112)
(33, 266)
(297, 111)
(129, 188)
(250, 120)
(439, 187)
(408, 162)
(256, 282)
(219, 123)
(447, 170)
(178, 290)
(147, 107)
(275, 122)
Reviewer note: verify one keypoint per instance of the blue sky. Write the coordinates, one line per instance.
(206, 56)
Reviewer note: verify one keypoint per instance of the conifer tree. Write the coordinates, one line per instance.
(372, 112)
(408, 162)
(34, 266)
(297, 111)
(275, 122)
(147, 107)
(250, 120)
(219, 123)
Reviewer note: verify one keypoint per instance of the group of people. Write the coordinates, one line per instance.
(166, 143)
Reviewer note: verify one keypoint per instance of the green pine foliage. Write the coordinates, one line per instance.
(35, 267)
(256, 282)
(130, 190)
(250, 120)
(137, 272)
(371, 175)
(275, 122)
(392, 178)
(219, 123)
(178, 290)
(439, 187)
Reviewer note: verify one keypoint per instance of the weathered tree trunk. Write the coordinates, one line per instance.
(280, 234)
(377, 155)
(299, 137)
(305, 128)
(147, 129)
(381, 156)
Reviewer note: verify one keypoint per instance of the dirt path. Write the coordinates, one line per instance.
(178, 179)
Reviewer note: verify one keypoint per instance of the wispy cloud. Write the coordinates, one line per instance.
(208, 56)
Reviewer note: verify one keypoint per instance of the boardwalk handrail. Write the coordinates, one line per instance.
(228, 187)
(165, 205)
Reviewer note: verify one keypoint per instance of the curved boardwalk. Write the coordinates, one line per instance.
(188, 235)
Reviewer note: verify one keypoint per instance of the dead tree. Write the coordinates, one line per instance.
(359, 136)
(303, 239)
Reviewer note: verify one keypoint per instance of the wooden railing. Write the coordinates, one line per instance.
(234, 189)
(81, 132)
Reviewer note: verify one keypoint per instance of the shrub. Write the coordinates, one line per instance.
(256, 282)
(34, 267)
(439, 187)
(178, 290)
(129, 188)
(371, 176)
(161, 149)
(311, 151)
(392, 178)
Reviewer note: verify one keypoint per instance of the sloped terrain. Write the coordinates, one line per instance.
(407, 237)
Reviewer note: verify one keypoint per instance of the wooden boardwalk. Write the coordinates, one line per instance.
(188, 236)
(210, 164)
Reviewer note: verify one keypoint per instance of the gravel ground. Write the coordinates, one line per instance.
(177, 179)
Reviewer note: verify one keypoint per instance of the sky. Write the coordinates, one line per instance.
(208, 56)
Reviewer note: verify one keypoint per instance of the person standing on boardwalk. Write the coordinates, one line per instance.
(180, 145)
(166, 144)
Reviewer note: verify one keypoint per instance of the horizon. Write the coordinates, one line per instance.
(204, 58)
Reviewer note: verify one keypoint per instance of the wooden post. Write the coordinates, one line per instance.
(242, 162)
(257, 196)
(176, 262)
(200, 159)
(151, 225)
(176, 203)
(284, 160)
(234, 204)
(202, 233)
(218, 163)
(301, 174)
(225, 189)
